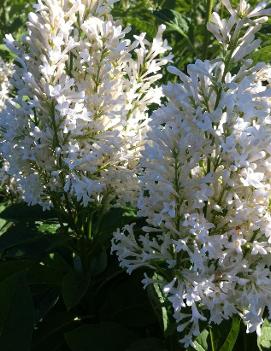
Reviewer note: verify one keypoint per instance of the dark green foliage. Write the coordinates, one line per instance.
(147, 344)
(201, 342)
(55, 299)
(100, 337)
(186, 25)
(16, 313)
(264, 341)
(61, 292)
(13, 16)
(230, 341)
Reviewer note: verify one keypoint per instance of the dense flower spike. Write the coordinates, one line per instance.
(78, 119)
(6, 71)
(5, 85)
(206, 186)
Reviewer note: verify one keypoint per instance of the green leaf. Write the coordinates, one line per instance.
(11, 267)
(100, 337)
(57, 260)
(25, 241)
(219, 333)
(23, 212)
(3, 47)
(158, 302)
(232, 336)
(98, 262)
(45, 227)
(45, 300)
(262, 54)
(17, 235)
(200, 343)
(264, 340)
(147, 344)
(16, 314)
(51, 331)
(126, 302)
(111, 220)
(44, 275)
(164, 312)
(74, 287)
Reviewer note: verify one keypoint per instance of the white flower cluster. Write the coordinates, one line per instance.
(78, 120)
(206, 186)
(5, 85)
(6, 71)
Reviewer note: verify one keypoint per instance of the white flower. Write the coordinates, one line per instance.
(244, 9)
(6, 70)
(251, 178)
(206, 186)
(237, 33)
(79, 116)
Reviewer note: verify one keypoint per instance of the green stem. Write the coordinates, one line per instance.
(210, 5)
(102, 211)
(177, 188)
(227, 62)
(56, 143)
(191, 33)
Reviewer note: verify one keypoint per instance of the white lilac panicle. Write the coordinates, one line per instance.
(6, 71)
(79, 116)
(237, 33)
(206, 189)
